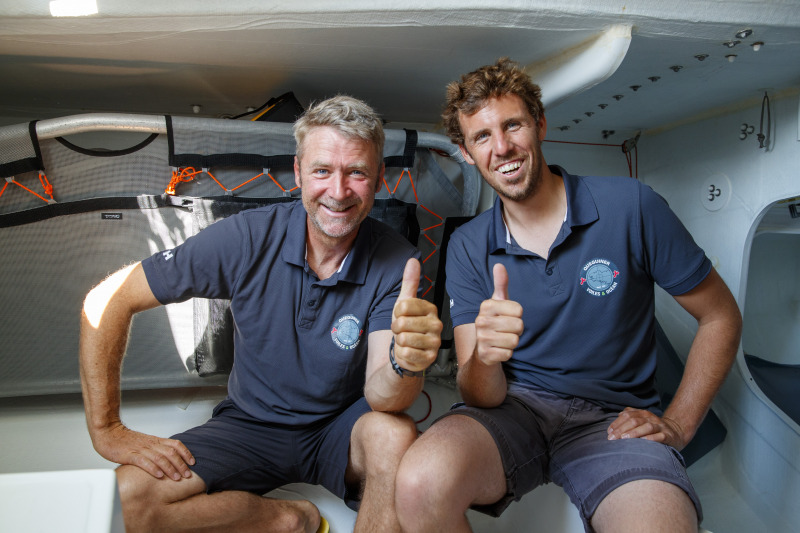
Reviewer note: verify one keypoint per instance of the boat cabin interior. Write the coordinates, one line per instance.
(127, 127)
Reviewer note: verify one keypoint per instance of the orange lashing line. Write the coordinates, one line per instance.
(423, 231)
(46, 186)
(187, 174)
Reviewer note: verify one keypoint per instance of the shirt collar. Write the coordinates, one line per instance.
(581, 210)
(354, 265)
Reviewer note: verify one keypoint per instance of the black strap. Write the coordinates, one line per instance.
(107, 153)
(407, 159)
(28, 164)
(112, 203)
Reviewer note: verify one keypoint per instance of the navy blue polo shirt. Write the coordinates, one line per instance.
(588, 308)
(300, 343)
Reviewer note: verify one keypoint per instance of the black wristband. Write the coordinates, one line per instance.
(402, 372)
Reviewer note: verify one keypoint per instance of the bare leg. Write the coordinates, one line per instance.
(453, 465)
(646, 505)
(150, 504)
(377, 444)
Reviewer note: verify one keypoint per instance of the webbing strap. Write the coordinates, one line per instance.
(26, 164)
(228, 160)
(407, 159)
(119, 203)
(81, 206)
(107, 153)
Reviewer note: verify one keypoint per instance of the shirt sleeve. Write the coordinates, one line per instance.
(466, 284)
(206, 265)
(380, 317)
(675, 262)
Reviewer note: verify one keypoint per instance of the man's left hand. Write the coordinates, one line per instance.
(642, 424)
(415, 324)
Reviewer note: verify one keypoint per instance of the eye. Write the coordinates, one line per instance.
(480, 137)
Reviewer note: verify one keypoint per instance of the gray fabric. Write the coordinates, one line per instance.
(49, 265)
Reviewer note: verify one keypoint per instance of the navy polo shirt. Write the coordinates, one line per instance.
(588, 308)
(300, 343)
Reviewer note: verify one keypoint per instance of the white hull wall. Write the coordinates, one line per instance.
(762, 449)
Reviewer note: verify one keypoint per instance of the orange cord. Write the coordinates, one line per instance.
(189, 173)
(424, 231)
(48, 188)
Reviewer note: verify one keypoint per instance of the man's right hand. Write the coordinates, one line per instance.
(499, 322)
(156, 456)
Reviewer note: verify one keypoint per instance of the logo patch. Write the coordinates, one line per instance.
(346, 332)
(599, 277)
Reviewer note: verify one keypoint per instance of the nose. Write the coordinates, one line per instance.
(337, 186)
(502, 144)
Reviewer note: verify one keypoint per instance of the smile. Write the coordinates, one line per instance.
(338, 209)
(508, 168)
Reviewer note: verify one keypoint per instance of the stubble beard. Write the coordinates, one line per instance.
(339, 228)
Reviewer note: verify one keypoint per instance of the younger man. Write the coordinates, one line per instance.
(552, 302)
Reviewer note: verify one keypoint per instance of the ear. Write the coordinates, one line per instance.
(542, 127)
(379, 181)
(466, 155)
(297, 180)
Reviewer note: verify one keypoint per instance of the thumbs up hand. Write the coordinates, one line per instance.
(499, 322)
(415, 324)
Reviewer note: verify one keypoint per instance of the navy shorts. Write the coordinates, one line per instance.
(543, 437)
(234, 451)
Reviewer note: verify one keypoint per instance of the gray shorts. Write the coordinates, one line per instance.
(234, 451)
(543, 437)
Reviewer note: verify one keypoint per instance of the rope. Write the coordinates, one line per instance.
(761, 136)
(633, 169)
(46, 186)
(187, 174)
(423, 232)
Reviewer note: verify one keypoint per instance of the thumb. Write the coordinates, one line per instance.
(500, 282)
(410, 280)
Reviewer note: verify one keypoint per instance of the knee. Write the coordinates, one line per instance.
(422, 479)
(297, 516)
(138, 512)
(411, 486)
(386, 438)
(145, 499)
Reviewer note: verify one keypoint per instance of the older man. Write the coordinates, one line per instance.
(330, 344)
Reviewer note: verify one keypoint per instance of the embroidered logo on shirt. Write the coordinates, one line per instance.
(346, 332)
(167, 255)
(599, 277)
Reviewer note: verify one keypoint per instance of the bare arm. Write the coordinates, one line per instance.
(710, 358)
(482, 347)
(105, 323)
(417, 332)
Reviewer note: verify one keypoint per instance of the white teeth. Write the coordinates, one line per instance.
(510, 167)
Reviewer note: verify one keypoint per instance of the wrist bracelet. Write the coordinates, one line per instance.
(402, 372)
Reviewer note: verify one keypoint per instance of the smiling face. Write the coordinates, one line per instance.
(338, 177)
(504, 141)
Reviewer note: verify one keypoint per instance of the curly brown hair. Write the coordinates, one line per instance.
(470, 94)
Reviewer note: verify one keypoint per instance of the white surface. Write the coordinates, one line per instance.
(228, 56)
(78, 501)
(29, 424)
